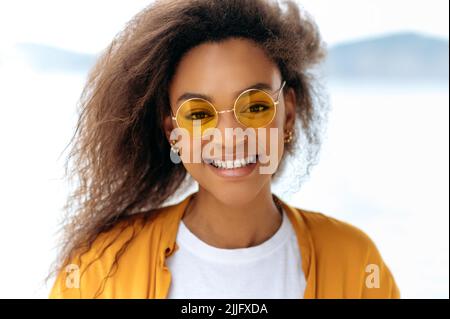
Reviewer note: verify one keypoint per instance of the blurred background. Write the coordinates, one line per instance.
(384, 163)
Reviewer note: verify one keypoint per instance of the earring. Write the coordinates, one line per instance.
(289, 137)
(174, 152)
(173, 148)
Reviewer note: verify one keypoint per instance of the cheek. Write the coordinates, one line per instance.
(275, 136)
(194, 169)
(191, 156)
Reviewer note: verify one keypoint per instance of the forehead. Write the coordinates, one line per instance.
(221, 69)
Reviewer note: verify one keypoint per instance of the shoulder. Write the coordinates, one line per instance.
(132, 230)
(328, 232)
(346, 253)
(128, 231)
(129, 240)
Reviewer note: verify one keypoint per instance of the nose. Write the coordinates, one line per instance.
(229, 150)
(230, 145)
(227, 120)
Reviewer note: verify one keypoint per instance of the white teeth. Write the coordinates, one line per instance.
(232, 164)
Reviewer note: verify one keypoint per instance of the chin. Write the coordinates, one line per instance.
(237, 194)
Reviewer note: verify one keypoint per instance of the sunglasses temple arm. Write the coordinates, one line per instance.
(280, 90)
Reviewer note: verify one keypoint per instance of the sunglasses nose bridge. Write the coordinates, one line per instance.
(225, 111)
(226, 119)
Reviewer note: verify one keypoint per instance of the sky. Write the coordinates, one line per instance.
(89, 25)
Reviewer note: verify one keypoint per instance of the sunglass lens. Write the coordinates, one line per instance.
(197, 112)
(255, 109)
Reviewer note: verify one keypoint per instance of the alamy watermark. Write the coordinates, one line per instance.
(252, 140)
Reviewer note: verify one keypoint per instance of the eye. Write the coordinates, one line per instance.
(256, 108)
(198, 115)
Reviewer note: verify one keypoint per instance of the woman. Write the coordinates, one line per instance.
(203, 66)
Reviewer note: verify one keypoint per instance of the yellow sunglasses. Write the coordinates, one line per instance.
(254, 108)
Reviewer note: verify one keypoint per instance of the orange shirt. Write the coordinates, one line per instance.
(338, 259)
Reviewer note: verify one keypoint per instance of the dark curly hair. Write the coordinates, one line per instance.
(120, 157)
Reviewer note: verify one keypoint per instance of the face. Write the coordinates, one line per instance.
(222, 71)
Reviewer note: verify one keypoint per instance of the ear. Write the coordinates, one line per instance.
(290, 106)
(168, 127)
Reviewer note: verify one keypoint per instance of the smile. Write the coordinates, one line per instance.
(232, 164)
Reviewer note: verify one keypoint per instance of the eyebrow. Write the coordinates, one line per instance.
(189, 95)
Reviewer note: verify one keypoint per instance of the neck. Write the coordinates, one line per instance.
(232, 226)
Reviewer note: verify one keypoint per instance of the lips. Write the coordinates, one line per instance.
(234, 171)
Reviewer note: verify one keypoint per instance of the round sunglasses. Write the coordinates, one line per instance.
(254, 108)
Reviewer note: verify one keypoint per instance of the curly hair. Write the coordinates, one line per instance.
(120, 157)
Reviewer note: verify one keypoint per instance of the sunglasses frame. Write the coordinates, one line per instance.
(233, 109)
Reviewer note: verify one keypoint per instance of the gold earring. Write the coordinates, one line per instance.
(290, 135)
(174, 149)
(174, 152)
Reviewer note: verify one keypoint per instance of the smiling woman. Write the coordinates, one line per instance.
(214, 65)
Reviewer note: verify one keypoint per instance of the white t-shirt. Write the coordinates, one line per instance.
(269, 270)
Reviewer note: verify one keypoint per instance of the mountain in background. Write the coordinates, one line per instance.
(403, 56)
(46, 58)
